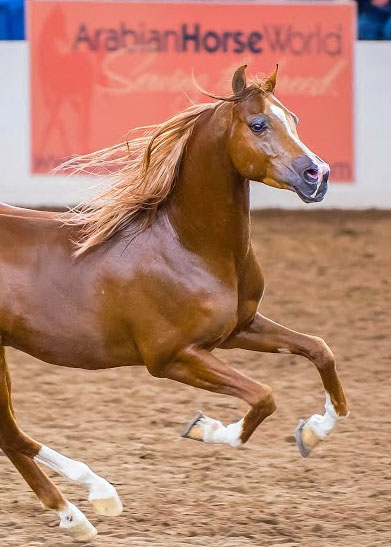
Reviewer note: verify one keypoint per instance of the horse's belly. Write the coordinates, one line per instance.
(62, 328)
(78, 351)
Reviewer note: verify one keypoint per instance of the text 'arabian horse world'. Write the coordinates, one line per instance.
(158, 271)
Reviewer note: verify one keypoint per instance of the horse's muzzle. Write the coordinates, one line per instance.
(311, 193)
(311, 184)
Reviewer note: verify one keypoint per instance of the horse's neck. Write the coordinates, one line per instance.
(209, 207)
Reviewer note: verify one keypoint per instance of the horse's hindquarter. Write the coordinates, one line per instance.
(50, 303)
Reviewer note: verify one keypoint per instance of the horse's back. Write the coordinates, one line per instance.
(27, 241)
(10, 210)
(19, 226)
(39, 286)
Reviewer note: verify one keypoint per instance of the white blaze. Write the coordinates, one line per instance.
(281, 115)
(279, 112)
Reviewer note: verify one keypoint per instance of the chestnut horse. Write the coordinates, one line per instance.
(158, 271)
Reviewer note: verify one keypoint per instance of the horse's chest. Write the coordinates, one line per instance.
(225, 310)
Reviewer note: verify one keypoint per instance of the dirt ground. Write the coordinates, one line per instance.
(327, 273)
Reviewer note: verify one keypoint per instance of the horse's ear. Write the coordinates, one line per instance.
(272, 80)
(239, 80)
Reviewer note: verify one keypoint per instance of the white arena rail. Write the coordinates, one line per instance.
(372, 135)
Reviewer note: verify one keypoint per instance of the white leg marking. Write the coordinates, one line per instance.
(75, 523)
(214, 431)
(322, 425)
(102, 494)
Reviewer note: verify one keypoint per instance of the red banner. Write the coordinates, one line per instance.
(100, 69)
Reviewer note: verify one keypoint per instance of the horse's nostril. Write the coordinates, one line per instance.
(311, 175)
(312, 172)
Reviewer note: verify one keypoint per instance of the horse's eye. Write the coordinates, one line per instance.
(258, 127)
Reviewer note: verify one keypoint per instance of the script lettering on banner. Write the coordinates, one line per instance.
(100, 69)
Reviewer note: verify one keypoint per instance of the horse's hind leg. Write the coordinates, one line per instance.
(102, 495)
(199, 368)
(20, 449)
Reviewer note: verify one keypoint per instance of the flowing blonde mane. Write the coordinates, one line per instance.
(143, 171)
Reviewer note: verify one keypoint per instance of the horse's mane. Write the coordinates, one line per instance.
(143, 169)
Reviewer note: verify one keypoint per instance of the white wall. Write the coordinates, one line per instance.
(373, 140)
(17, 185)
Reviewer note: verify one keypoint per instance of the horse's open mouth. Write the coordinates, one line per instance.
(309, 199)
(309, 195)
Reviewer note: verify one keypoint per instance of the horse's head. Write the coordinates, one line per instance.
(264, 144)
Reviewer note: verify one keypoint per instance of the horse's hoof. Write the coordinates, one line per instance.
(109, 507)
(306, 439)
(83, 531)
(74, 523)
(193, 430)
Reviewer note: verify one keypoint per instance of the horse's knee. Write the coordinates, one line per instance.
(269, 402)
(9, 445)
(321, 354)
(16, 442)
(265, 400)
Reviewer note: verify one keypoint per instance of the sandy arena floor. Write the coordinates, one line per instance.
(327, 274)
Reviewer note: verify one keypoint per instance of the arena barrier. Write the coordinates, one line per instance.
(368, 169)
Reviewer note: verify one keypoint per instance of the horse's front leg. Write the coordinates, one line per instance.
(265, 335)
(199, 368)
